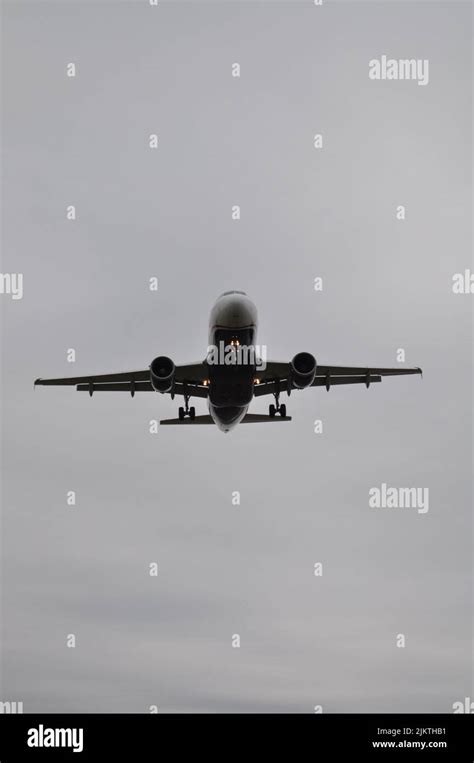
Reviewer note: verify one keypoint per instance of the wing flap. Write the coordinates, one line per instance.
(336, 371)
(320, 381)
(116, 387)
(131, 387)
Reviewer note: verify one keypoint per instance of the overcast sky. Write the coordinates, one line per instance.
(167, 498)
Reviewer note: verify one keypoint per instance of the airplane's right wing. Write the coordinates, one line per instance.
(189, 380)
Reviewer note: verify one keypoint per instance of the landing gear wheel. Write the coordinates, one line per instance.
(181, 413)
(271, 410)
(192, 412)
(283, 409)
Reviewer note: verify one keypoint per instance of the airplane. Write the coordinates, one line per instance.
(230, 381)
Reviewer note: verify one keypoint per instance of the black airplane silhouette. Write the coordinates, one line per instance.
(232, 374)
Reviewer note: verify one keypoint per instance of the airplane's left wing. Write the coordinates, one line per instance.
(189, 380)
(277, 376)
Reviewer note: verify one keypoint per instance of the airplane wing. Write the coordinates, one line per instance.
(189, 380)
(277, 376)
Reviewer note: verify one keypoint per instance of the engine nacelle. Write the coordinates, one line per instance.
(162, 370)
(303, 370)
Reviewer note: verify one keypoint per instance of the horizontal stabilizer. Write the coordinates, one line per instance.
(250, 418)
(255, 418)
(189, 420)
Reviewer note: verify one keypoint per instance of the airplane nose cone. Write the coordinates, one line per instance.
(235, 310)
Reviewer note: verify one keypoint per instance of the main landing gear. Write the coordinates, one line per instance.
(277, 408)
(186, 411)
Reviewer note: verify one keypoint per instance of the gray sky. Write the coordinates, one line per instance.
(141, 498)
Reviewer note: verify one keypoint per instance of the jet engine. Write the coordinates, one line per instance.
(303, 370)
(162, 371)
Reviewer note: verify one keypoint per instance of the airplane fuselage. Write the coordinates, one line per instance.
(232, 323)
